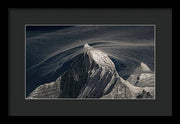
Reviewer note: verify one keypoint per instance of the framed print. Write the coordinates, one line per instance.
(83, 62)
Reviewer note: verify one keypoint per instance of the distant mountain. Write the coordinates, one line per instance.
(142, 76)
(93, 75)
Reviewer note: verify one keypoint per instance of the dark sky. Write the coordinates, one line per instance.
(37, 30)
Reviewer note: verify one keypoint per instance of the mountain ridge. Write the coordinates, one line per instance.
(93, 75)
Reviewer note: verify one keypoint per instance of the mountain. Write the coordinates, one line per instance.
(47, 90)
(142, 76)
(93, 75)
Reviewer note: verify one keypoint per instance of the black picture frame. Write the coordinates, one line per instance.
(18, 106)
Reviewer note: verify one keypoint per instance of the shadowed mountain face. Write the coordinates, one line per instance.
(75, 78)
(92, 75)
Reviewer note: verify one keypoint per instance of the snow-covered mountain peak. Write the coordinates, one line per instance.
(98, 56)
(142, 76)
(86, 45)
(144, 67)
(86, 48)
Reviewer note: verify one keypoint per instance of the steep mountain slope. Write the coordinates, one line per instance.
(92, 75)
(47, 90)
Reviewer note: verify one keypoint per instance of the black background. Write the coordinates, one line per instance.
(162, 18)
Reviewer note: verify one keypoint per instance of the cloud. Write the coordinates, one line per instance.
(58, 47)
